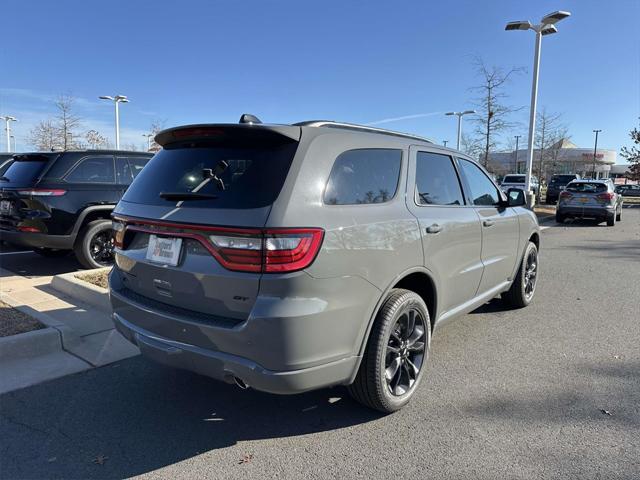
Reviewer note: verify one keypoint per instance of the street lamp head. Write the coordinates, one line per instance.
(105, 97)
(519, 25)
(121, 98)
(467, 112)
(555, 17)
(451, 113)
(548, 30)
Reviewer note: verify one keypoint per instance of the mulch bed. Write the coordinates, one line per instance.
(13, 322)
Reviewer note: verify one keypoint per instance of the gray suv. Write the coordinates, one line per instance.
(295, 257)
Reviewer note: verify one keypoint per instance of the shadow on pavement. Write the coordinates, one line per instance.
(143, 416)
(33, 265)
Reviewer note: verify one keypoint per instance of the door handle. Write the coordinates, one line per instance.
(488, 223)
(435, 228)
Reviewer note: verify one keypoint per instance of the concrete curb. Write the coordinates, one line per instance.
(82, 291)
(30, 344)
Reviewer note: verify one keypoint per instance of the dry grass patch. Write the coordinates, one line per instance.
(13, 322)
(98, 278)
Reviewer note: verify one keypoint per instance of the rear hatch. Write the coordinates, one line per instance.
(19, 195)
(190, 227)
(586, 194)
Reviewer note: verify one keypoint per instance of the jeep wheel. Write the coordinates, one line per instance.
(559, 218)
(397, 350)
(51, 252)
(619, 215)
(94, 245)
(524, 285)
(611, 220)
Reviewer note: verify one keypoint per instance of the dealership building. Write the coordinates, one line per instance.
(562, 157)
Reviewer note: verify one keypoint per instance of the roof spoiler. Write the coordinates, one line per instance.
(228, 132)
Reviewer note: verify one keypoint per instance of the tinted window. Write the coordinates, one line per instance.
(252, 175)
(436, 180)
(513, 179)
(483, 191)
(363, 176)
(584, 187)
(93, 170)
(25, 170)
(562, 179)
(123, 171)
(137, 164)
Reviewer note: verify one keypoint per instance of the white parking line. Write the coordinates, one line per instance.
(15, 253)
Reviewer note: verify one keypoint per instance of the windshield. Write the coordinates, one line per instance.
(513, 179)
(583, 187)
(24, 171)
(214, 176)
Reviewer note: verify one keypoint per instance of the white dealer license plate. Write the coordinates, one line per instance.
(5, 206)
(164, 250)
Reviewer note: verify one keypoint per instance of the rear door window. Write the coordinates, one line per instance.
(364, 176)
(436, 180)
(123, 171)
(514, 179)
(98, 169)
(244, 176)
(136, 164)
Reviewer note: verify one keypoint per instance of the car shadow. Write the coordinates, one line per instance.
(32, 265)
(143, 416)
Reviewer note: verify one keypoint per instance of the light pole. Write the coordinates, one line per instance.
(545, 27)
(444, 142)
(7, 128)
(117, 99)
(15, 149)
(516, 161)
(149, 136)
(595, 153)
(460, 115)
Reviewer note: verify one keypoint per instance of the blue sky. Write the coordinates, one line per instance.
(286, 61)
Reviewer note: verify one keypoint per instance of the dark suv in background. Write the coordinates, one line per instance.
(557, 184)
(56, 202)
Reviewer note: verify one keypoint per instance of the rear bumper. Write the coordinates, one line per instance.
(592, 212)
(37, 240)
(223, 366)
(303, 333)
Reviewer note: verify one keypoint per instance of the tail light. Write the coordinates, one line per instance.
(42, 192)
(565, 194)
(608, 196)
(118, 233)
(269, 251)
(28, 229)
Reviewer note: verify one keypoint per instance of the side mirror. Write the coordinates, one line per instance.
(515, 197)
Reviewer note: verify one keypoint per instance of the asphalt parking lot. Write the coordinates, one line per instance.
(550, 391)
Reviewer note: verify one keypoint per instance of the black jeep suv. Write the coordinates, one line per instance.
(55, 202)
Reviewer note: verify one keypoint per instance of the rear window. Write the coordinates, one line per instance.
(583, 187)
(24, 171)
(252, 175)
(513, 179)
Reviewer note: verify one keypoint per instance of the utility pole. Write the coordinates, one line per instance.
(444, 142)
(595, 153)
(517, 137)
(7, 127)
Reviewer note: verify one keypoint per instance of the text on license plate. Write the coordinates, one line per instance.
(164, 250)
(583, 199)
(5, 206)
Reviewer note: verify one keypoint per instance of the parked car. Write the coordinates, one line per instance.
(557, 184)
(590, 199)
(56, 202)
(518, 181)
(628, 190)
(295, 257)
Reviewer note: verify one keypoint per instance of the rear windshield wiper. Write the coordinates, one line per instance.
(182, 196)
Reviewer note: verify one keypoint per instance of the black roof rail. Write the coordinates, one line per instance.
(360, 128)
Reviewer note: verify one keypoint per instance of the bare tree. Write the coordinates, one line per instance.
(550, 131)
(67, 122)
(493, 116)
(95, 140)
(471, 146)
(156, 126)
(44, 136)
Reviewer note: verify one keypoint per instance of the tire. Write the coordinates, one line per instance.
(94, 236)
(520, 294)
(559, 218)
(611, 221)
(51, 252)
(619, 215)
(387, 347)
